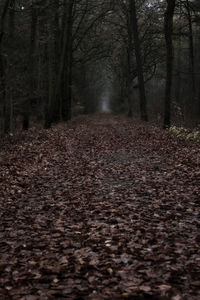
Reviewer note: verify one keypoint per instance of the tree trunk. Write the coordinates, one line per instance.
(168, 30)
(51, 68)
(191, 47)
(129, 49)
(178, 71)
(133, 21)
(6, 98)
(8, 105)
(31, 69)
(12, 20)
(3, 62)
(60, 86)
(8, 111)
(68, 61)
(198, 78)
(56, 116)
(3, 18)
(69, 85)
(129, 82)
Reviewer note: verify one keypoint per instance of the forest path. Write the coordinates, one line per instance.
(99, 208)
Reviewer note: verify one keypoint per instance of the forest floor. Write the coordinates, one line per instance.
(100, 208)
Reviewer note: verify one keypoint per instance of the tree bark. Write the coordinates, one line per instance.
(60, 87)
(31, 68)
(168, 30)
(191, 47)
(8, 111)
(133, 20)
(51, 101)
(128, 79)
(3, 18)
(6, 90)
(8, 103)
(68, 61)
(3, 62)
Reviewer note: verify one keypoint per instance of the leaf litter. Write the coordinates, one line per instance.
(99, 208)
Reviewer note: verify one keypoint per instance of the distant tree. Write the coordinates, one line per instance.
(58, 55)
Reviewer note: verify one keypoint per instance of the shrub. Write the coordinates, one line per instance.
(186, 134)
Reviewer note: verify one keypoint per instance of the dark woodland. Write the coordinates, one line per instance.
(99, 149)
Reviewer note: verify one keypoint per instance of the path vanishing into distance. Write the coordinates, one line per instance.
(102, 207)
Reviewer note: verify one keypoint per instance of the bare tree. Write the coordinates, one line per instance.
(31, 66)
(168, 30)
(5, 89)
(133, 17)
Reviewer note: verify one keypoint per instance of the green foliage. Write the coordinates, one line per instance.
(186, 134)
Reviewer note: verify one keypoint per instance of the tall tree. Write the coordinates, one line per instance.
(66, 63)
(133, 18)
(60, 68)
(31, 66)
(191, 50)
(168, 31)
(52, 64)
(5, 90)
(3, 18)
(8, 103)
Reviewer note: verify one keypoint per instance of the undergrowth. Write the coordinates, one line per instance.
(184, 133)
